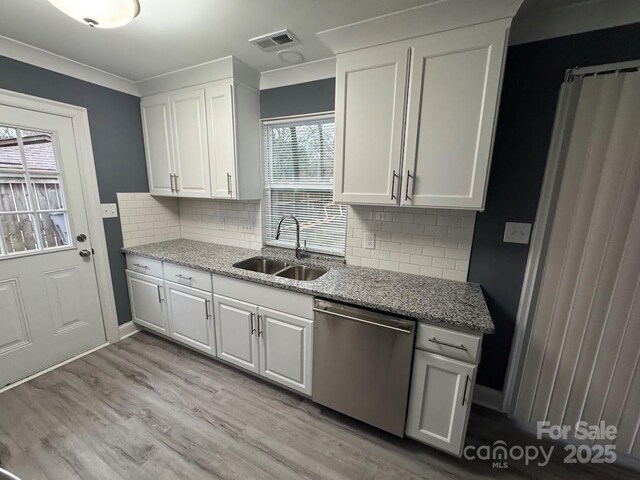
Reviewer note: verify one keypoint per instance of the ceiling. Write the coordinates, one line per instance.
(172, 34)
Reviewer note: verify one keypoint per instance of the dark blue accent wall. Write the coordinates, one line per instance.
(116, 135)
(533, 75)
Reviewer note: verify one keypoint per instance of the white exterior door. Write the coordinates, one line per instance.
(370, 99)
(49, 305)
(147, 301)
(453, 100)
(236, 335)
(190, 151)
(190, 316)
(286, 349)
(156, 128)
(222, 151)
(439, 401)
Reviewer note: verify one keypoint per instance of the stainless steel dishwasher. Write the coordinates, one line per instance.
(362, 363)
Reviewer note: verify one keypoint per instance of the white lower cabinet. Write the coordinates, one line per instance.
(439, 401)
(275, 344)
(190, 316)
(236, 338)
(147, 301)
(286, 344)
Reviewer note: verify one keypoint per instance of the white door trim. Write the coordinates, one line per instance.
(80, 120)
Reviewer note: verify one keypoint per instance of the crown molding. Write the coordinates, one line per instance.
(305, 72)
(56, 63)
(581, 17)
(435, 16)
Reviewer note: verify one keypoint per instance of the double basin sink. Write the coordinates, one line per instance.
(281, 268)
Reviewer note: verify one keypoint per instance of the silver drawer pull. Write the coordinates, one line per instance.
(179, 275)
(140, 266)
(447, 344)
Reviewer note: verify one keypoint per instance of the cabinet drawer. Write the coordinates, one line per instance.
(450, 343)
(144, 265)
(188, 276)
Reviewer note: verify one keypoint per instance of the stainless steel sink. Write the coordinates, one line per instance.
(302, 272)
(262, 265)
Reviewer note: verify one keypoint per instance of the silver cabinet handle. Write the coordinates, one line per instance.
(139, 265)
(464, 394)
(159, 294)
(393, 185)
(207, 309)
(183, 277)
(171, 182)
(259, 325)
(175, 179)
(406, 192)
(229, 183)
(361, 320)
(253, 327)
(447, 344)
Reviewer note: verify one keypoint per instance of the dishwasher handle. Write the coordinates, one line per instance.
(361, 320)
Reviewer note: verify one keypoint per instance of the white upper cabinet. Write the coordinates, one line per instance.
(190, 150)
(370, 96)
(451, 110)
(203, 142)
(156, 128)
(424, 109)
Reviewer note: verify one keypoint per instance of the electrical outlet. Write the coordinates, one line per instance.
(109, 210)
(517, 232)
(218, 223)
(246, 226)
(383, 216)
(369, 240)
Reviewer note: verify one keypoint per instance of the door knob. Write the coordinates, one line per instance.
(84, 253)
(81, 237)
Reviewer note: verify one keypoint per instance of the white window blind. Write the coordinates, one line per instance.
(298, 165)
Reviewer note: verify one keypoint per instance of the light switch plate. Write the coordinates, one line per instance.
(109, 210)
(369, 240)
(246, 226)
(517, 232)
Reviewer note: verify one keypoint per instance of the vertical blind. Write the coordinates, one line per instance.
(298, 162)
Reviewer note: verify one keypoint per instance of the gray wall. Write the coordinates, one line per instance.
(300, 99)
(533, 75)
(116, 135)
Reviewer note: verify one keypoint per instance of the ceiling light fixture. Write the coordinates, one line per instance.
(99, 13)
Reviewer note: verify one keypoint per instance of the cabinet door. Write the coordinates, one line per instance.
(222, 152)
(190, 316)
(370, 100)
(439, 401)
(156, 128)
(286, 349)
(188, 119)
(453, 100)
(147, 301)
(236, 335)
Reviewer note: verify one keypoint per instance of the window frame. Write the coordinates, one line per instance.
(31, 177)
(303, 118)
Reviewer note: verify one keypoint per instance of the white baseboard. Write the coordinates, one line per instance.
(487, 397)
(128, 329)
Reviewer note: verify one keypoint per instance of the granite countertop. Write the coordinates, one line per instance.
(433, 300)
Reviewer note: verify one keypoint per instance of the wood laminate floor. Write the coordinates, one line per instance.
(145, 408)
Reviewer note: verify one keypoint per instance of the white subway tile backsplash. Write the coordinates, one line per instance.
(422, 241)
(147, 219)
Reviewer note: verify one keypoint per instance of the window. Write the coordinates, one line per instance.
(33, 214)
(298, 163)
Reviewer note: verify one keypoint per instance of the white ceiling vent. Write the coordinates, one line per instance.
(275, 41)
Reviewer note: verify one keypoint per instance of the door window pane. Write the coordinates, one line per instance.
(13, 194)
(9, 150)
(48, 194)
(38, 150)
(55, 232)
(19, 233)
